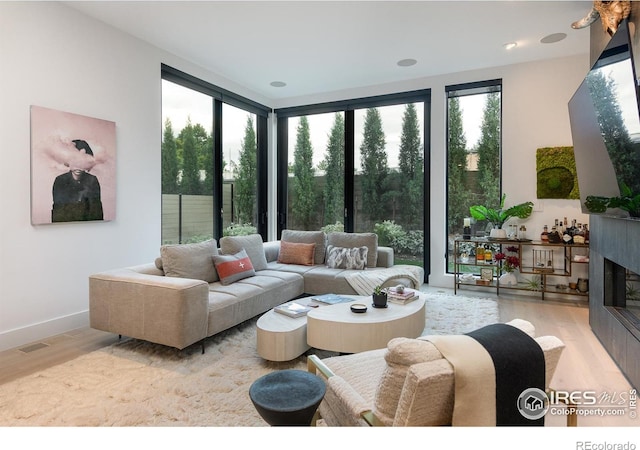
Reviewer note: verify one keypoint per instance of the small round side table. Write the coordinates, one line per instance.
(287, 397)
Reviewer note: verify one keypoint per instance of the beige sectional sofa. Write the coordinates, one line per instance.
(181, 298)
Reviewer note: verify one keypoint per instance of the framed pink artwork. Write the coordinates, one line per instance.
(73, 167)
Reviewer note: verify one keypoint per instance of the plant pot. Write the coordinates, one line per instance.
(508, 279)
(380, 300)
(498, 233)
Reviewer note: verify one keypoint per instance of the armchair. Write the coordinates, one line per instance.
(409, 383)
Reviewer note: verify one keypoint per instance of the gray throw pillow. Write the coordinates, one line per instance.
(352, 240)
(230, 245)
(347, 258)
(190, 260)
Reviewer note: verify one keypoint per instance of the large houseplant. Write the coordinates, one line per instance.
(497, 217)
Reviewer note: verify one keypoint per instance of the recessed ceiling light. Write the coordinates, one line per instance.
(407, 62)
(552, 38)
(278, 84)
(510, 45)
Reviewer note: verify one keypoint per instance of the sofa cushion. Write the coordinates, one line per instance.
(230, 245)
(347, 258)
(190, 260)
(351, 240)
(232, 268)
(296, 253)
(308, 237)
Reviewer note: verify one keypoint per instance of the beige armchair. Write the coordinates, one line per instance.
(407, 384)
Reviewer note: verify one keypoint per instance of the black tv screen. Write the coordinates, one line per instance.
(605, 123)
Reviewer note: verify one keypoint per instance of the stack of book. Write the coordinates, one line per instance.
(406, 296)
(293, 309)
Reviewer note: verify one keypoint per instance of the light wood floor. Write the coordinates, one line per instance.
(584, 365)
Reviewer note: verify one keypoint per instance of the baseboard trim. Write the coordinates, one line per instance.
(33, 333)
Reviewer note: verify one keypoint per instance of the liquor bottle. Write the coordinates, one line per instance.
(586, 234)
(578, 237)
(554, 237)
(480, 254)
(488, 256)
(567, 237)
(544, 236)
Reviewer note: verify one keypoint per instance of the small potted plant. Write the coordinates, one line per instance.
(379, 297)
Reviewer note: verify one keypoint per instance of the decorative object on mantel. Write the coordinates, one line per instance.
(556, 173)
(611, 13)
(627, 201)
(497, 217)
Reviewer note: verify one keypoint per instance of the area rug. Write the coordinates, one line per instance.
(136, 383)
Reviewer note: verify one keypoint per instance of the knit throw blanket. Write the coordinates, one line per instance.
(492, 367)
(364, 281)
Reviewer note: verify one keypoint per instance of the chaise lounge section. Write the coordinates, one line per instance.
(189, 294)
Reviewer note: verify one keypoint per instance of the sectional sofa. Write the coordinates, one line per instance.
(193, 291)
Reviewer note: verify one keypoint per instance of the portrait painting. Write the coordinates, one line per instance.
(73, 167)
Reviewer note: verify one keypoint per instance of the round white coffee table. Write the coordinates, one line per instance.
(337, 329)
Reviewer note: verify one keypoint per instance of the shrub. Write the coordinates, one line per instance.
(239, 229)
(388, 232)
(338, 227)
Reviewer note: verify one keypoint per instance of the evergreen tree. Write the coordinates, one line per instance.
(374, 166)
(190, 173)
(489, 153)
(246, 178)
(303, 203)
(333, 165)
(204, 152)
(614, 131)
(169, 161)
(411, 162)
(458, 197)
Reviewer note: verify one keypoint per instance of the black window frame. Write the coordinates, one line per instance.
(348, 107)
(462, 90)
(220, 96)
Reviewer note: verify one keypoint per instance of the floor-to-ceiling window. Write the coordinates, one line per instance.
(474, 116)
(358, 166)
(214, 148)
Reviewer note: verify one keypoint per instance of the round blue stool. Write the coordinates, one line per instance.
(287, 397)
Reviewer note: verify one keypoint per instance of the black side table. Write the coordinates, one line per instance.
(287, 397)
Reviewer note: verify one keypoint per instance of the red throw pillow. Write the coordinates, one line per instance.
(296, 253)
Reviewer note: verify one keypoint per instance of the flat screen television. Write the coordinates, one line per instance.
(605, 122)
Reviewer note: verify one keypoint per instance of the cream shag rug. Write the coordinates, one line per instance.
(136, 383)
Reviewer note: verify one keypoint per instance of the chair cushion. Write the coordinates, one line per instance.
(190, 260)
(347, 258)
(296, 253)
(232, 268)
(352, 240)
(308, 237)
(401, 354)
(230, 245)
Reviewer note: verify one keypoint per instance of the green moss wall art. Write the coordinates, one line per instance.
(556, 173)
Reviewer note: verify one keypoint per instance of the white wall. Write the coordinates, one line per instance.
(53, 56)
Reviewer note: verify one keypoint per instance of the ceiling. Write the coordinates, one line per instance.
(318, 47)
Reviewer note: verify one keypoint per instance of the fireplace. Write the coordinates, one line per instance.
(622, 295)
(614, 300)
